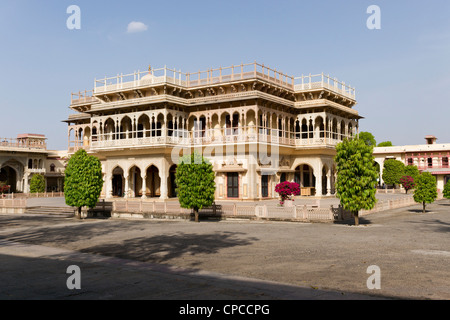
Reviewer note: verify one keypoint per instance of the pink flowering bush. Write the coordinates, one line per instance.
(287, 190)
(407, 182)
(4, 188)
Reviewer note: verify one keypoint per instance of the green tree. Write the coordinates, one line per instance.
(385, 144)
(356, 176)
(37, 184)
(83, 181)
(426, 190)
(368, 138)
(412, 171)
(393, 170)
(195, 183)
(446, 191)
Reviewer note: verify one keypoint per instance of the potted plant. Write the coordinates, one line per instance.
(287, 190)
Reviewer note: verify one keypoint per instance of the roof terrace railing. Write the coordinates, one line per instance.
(193, 79)
(318, 81)
(242, 71)
(22, 143)
(82, 97)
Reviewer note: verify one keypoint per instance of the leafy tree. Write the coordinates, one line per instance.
(195, 182)
(412, 171)
(83, 181)
(37, 184)
(426, 190)
(446, 191)
(407, 182)
(385, 144)
(356, 176)
(393, 170)
(368, 138)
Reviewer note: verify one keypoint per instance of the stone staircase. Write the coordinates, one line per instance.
(54, 211)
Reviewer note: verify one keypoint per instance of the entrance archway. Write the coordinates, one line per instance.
(8, 176)
(153, 182)
(304, 176)
(172, 185)
(118, 182)
(135, 182)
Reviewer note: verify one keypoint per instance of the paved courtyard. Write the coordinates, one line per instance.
(155, 259)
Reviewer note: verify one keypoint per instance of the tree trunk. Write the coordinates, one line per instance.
(79, 213)
(196, 214)
(423, 210)
(356, 215)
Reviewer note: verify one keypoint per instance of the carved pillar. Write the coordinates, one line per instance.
(144, 185)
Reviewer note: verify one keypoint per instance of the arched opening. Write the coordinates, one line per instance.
(172, 185)
(251, 121)
(159, 125)
(319, 128)
(110, 130)
(343, 135)
(126, 128)
(324, 180)
(8, 177)
(143, 126)
(135, 182)
(304, 129)
(334, 129)
(304, 176)
(87, 137)
(153, 182)
(118, 182)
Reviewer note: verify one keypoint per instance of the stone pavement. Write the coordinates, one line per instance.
(42, 275)
(163, 260)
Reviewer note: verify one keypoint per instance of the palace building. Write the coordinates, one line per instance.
(258, 126)
(430, 157)
(26, 155)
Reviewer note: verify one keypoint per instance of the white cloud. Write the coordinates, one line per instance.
(136, 26)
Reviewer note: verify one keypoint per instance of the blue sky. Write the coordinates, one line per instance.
(401, 72)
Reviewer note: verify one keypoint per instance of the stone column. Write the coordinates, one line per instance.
(328, 183)
(108, 189)
(319, 180)
(144, 186)
(126, 190)
(163, 177)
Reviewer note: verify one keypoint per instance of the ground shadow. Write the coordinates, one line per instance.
(46, 278)
(351, 221)
(419, 211)
(62, 235)
(435, 224)
(163, 248)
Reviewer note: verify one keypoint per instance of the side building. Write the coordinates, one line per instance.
(27, 155)
(429, 157)
(258, 126)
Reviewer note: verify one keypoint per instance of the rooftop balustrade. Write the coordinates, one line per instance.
(142, 79)
(22, 143)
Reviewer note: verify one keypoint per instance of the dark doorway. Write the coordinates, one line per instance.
(233, 185)
(117, 185)
(172, 186)
(264, 186)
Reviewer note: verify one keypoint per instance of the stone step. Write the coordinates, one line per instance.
(61, 211)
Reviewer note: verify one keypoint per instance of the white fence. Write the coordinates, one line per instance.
(31, 195)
